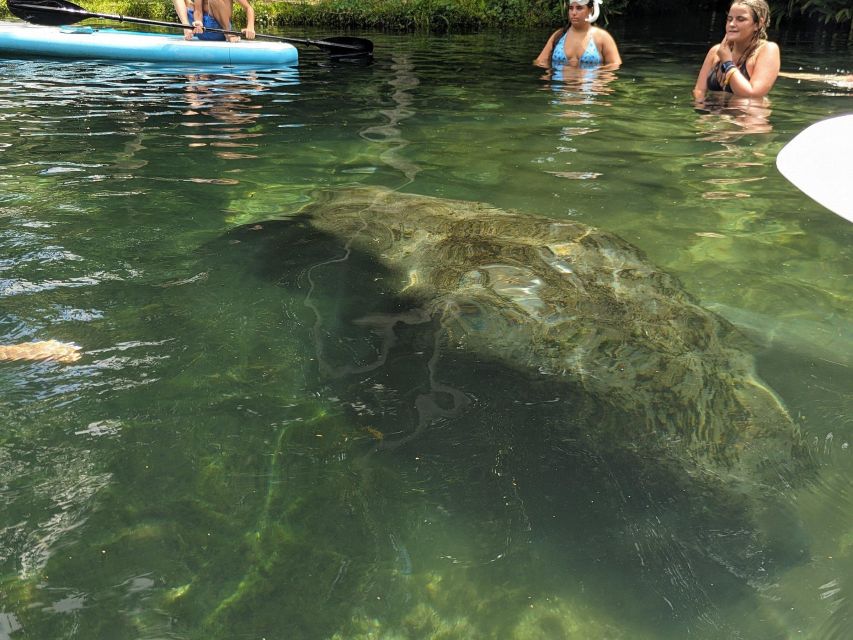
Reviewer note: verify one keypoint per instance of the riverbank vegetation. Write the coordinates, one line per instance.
(466, 15)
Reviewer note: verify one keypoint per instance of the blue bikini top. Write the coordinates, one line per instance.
(590, 57)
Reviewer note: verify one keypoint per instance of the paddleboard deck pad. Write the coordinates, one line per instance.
(76, 42)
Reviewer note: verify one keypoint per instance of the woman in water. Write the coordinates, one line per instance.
(745, 63)
(579, 44)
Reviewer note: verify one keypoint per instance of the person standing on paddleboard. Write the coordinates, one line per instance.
(215, 14)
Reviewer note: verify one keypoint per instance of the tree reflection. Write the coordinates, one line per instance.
(389, 134)
(582, 90)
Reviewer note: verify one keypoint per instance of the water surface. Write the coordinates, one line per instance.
(230, 459)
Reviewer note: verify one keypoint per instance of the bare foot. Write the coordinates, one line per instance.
(188, 34)
(232, 38)
(45, 350)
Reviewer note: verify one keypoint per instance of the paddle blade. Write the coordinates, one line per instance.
(343, 47)
(53, 13)
(819, 162)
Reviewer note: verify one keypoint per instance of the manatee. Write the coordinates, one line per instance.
(496, 386)
(566, 302)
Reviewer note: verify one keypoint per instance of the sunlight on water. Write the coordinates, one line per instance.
(304, 409)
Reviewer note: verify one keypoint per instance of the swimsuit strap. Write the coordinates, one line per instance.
(558, 55)
(714, 81)
(590, 56)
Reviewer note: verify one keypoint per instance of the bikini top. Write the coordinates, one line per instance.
(714, 80)
(589, 58)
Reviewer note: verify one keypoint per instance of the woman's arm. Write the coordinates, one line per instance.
(544, 58)
(701, 86)
(250, 19)
(181, 10)
(763, 74)
(609, 51)
(197, 25)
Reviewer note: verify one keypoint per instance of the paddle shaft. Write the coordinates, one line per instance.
(80, 14)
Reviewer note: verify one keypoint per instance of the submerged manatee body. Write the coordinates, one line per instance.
(505, 391)
(568, 302)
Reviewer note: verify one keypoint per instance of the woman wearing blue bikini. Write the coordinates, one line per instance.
(745, 63)
(580, 44)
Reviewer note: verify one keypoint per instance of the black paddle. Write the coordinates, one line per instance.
(60, 12)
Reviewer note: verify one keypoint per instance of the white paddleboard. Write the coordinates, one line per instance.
(819, 162)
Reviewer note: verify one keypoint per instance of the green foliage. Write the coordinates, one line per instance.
(662, 7)
(408, 15)
(820, 11)
(827, 11)
(447, 15)
(138, 8)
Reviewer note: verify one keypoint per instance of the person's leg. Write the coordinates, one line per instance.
(184, 16)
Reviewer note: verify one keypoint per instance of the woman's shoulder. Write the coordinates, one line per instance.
(768, 51)
(601, 35)
(769, 48)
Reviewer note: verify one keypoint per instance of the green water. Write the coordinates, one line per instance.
(229, 460)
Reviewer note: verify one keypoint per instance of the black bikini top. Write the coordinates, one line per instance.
(714, 79)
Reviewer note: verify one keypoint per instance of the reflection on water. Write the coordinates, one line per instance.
(403, 81)
(267, 435)
(728, 118)
(230, 102)
(579, 85)
(581, 90)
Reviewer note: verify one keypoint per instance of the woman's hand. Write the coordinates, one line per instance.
(724, 51)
